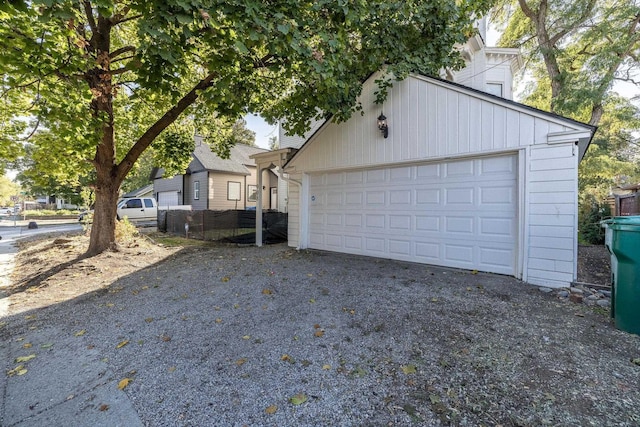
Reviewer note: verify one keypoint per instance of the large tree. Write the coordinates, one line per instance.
(107, 78)
(575, 50)
(575, 53)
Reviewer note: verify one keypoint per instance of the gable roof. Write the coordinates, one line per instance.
(138, 192)
(494, 99)
(239, 159)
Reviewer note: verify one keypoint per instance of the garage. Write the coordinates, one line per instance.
(168, 198)
(459, 213)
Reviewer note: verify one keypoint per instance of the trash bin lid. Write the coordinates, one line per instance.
(627, 223)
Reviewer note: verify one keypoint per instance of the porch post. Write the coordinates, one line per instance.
(259, 208)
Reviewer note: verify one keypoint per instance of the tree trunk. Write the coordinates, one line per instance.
(103, 229)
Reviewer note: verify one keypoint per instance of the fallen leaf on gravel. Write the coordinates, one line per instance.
(286, 358)
(30, 317)
(225, 279)
(267, 292)
(298, 399)
(165, 338)
(326, 367)
(149, 319)
(109, 304)
(636, 361)
(312, 301)
(218, 320)
(27, 345)
(171, 369)
(309, 275)
(434, 299)
(104, 408)
(319, 333)
(241, 362)
(80, 333)
(271, 409)
(434, 398)
(122, 344)
(47, 345)
(474, 271)
(18, 370)
(246, 337)
(123, 383)
(25, 358)
(316, 326)
(408, 369)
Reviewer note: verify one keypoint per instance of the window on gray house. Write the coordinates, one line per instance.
(196, 190)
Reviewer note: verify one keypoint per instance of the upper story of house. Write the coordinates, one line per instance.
(487, 69)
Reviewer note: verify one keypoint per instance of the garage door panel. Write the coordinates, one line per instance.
(459, 196)
(400, 247)
(458, 214)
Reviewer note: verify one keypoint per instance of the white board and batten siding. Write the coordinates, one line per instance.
(436, 124)
(552, 228)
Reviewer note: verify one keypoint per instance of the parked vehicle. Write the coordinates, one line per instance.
(6, 211)
(138, 209)
(85, 215)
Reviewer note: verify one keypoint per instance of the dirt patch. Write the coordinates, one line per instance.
(51, 270)
(594, 265)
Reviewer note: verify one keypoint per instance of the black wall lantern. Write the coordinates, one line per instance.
(382, 125)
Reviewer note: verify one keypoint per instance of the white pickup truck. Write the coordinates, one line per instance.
(138, 209)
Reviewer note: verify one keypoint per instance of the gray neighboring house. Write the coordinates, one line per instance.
(213, 183)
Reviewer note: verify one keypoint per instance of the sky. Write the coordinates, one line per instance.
(263, 130)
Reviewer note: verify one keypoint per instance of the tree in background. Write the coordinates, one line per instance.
(241, 135)
(8, 189)
(274, 144)
(575, 52)
(108, 78)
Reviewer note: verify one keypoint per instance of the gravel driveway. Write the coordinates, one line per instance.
(271, 336)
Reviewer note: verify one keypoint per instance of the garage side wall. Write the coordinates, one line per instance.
(293, 204)
(552, 214)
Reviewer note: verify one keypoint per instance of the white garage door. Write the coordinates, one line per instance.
(457, 214)
(167, 198)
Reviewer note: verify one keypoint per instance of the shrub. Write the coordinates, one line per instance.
(589, 217)
(126, 232)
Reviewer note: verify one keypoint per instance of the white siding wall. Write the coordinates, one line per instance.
(552, 214)
(431, 120)
(473, 75)
(294, 212)
(427, 120)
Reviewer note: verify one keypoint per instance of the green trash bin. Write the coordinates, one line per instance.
(622, 239)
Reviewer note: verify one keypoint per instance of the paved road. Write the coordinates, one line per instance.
(10, 233)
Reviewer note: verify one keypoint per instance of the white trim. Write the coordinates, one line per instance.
(461, 156)
(523, 215)
(303, 232)
(569, 136)
(575, 219)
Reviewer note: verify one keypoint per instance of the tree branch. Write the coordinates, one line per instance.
(88, 10)
(122, 50)
(161, 124)
(131, 18)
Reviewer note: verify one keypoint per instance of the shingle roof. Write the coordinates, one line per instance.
(236, 163)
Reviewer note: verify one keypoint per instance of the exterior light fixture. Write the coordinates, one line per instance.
(382, 125)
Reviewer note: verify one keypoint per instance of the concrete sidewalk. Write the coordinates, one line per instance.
(83, 375)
